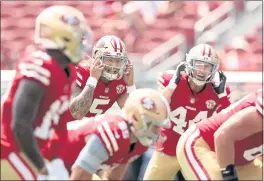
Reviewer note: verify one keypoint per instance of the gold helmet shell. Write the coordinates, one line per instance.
(203, 54)
(145, 108)
(64, 28)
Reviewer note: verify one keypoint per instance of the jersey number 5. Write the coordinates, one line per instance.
(97, 102)
(178, 116)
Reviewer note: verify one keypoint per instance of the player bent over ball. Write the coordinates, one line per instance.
(194, 94)
(227, 145)
(109, 142)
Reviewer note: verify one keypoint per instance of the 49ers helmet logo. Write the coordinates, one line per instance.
(71, 20)
(148, 104)
(210, 104)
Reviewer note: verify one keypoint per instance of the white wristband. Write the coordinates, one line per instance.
(131, 88)
(92, 81)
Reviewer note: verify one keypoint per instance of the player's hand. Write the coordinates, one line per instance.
(219, 87)
(96, 68)
(179, 70)
(129, 74)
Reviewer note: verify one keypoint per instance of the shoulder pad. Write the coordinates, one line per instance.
(164, 78)
(37, 66)
(83, 73)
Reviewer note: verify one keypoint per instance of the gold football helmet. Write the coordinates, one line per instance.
(112, 53)
(63, 28)
(202, 63)
(146, 111)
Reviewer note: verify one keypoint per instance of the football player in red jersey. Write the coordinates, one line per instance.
(225, 146)
(111, 141)
(194, 93)
(38, 98)
(107, 78)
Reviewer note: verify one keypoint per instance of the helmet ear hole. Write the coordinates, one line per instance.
(94, 55)
(134, 117)
(67, 40)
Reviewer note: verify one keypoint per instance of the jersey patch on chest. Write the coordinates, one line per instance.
(120, 89)
(210, 104)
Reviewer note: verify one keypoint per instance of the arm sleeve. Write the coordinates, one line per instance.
(224, 101)
(164, 78)
(92, 155)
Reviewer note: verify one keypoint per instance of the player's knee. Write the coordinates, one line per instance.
(162, 167)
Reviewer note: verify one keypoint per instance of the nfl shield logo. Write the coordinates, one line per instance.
(106, 90)
(192, 100)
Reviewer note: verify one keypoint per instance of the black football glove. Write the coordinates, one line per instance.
(229, 173)
(220, 87)
(179, 70)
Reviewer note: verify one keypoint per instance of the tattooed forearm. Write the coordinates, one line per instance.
(80, 104)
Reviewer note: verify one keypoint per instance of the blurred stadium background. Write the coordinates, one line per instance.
(157, 35)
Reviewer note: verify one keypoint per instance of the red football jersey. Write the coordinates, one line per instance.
(42, 68)
(104, 95)
(112, 130)
(247, 149)
(186, 109)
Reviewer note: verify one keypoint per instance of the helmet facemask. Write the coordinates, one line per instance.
(81, 44)
(148, 130)
(201, 71)
(114, 65)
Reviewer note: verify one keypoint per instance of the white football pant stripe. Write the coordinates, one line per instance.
(191, 156)
(19, 165)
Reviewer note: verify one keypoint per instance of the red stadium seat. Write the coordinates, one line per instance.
(214, 4)
(27, 23)
(162, 24)
(175, 23)
(187, 29)
(18, 21)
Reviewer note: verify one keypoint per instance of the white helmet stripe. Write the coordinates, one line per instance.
(118, 44)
